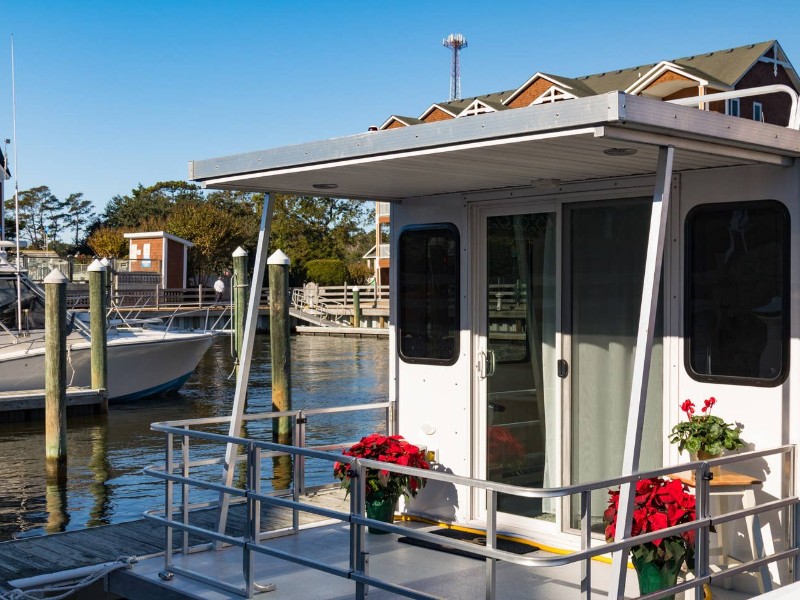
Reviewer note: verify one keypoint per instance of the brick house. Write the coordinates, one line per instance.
(700, 75)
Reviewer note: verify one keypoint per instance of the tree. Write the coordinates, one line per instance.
(308, 228)
(214, 232)
(108, 242)
(80, 214)
(154, 203)
(39, 215)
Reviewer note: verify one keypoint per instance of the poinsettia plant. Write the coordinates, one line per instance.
(659, 503)
(382, 483)
(705, 432)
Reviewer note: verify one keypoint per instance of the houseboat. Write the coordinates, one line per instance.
(572, 260)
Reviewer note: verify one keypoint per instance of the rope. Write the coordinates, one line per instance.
(72, 368)
(65, 591)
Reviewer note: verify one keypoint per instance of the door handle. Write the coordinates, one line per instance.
(486, 364)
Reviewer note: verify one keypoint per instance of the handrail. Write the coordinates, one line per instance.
(756, 91)
(258, 449)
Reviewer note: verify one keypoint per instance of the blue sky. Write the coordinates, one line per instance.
(112, 94)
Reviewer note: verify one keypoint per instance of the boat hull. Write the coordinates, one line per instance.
(140, 364)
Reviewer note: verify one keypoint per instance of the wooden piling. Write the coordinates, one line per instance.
(278, 268)
(356, 307)
(55, 339)
(97, 320)
(108, 283)
(240, 289)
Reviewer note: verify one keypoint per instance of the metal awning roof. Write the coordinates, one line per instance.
(563, 141)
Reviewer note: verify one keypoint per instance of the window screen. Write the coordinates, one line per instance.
(428, 280)
(737, 311)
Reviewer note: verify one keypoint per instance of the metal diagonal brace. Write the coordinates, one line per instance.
(641, 363)
(243, 374)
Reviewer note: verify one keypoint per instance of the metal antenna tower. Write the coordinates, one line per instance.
(455, 41)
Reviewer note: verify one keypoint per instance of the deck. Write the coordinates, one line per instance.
(433, 572)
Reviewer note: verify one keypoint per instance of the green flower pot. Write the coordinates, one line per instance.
(381, 509)
(657, 575)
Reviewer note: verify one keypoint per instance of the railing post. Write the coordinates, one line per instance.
(299, 466)
(586, 543)
(200, 296)
(359, 560)
(703, 478)
(168, 506)
(185, 488)
(491, 542)
(253, 516)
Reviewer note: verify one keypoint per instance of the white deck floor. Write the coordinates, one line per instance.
(441, 574)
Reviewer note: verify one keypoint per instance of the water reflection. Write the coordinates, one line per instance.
(104, 483)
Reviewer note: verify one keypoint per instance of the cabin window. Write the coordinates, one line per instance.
(758, 112)
(428, 282)
(733, 107)
(737, 304)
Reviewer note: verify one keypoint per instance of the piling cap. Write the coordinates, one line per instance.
(105, 262)
(96, 266)
(239, 252)
(56, 276)
(278, 258)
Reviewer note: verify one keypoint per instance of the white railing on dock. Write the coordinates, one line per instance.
(181, 473)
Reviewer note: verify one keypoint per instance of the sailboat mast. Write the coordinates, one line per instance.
(16, 183)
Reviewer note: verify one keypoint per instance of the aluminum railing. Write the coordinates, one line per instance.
(179, 473)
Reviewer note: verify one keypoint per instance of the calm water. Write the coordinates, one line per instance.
(105, 483)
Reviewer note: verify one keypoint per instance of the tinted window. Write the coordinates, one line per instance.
(738, 292)
(429, 293)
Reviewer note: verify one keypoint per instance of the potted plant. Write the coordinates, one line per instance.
(659, 503)
(384, 488)
(705, 436)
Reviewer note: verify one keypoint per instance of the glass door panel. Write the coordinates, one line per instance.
(606, 247)
(520, 375)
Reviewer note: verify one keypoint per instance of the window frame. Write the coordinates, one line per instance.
(786, 272)
(453, 229)
(758, 107)
(731, 103)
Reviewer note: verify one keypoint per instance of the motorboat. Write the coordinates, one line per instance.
(144, 359)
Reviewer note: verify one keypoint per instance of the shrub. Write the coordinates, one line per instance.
(326, 271)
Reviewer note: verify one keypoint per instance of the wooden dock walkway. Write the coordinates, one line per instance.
(19, 405)
(43, 555)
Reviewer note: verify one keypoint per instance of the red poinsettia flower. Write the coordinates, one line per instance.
(658, 503)
(389, 449)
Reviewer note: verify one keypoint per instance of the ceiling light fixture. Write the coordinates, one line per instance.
(545, 183)
(325, 186)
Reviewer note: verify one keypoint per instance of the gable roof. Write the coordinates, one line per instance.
(405, 121)
(720, 70)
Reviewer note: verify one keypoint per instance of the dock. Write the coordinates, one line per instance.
(358, 332)
(20, 405)
(24, 561)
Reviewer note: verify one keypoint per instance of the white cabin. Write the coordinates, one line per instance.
(533, 341)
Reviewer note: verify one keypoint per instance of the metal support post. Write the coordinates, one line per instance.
(243, 373)
(641, 365)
